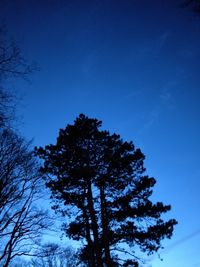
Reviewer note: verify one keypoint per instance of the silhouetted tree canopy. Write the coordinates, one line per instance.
(99, 183)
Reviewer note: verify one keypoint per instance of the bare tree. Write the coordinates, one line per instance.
(12, 65)
(12, 62)
(6, 107)
(21, 222)
(54, 255)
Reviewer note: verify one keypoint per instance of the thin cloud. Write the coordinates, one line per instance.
(182, 240)
(151, 47)
(161, 41)
(174, 245)
(153, 117)
(165, 101)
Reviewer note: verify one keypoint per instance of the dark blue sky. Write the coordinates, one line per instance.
(135, 66)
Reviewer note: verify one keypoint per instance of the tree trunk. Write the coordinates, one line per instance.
(104, 222)
(91, 255)
(97, 247)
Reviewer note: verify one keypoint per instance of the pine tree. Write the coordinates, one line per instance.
(103, 177)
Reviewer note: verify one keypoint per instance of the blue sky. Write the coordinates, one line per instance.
(135, 66)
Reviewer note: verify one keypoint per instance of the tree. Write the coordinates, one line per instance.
(12, 65)
(21, 222)
(50, 255)
(54, 255)
(102, 178)
(12, 61)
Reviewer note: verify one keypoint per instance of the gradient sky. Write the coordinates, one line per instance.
(135, 66)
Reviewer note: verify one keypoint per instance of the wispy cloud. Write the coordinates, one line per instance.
(151, 47)
(160, 42)
(183, 240)
(152, 118)
(165, 101)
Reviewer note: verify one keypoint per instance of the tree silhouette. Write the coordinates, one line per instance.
(98, 182)
(12, 65)
(21, 221)
(54, 255)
